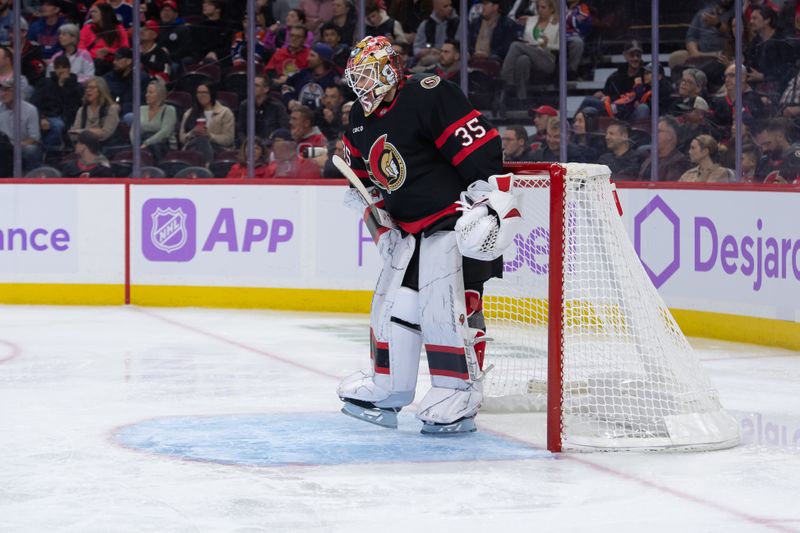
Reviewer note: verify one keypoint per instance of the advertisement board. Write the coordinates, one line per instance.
(734, 252)
(61, 241)
(248, 236)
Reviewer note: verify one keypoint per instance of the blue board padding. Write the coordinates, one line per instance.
(311, 439)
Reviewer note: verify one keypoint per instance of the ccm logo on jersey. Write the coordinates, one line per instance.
(386, 165)
(358, 129)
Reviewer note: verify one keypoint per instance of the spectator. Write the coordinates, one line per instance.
(7, 156)
(579, 26)
(410, 13)
(671, 162)
(449, 66)
(33, 65)
(155, 60)
(491, 35)
(57, 98)
(695, 121)
(80, 61)
(123, 11)
(346, 107)
(30, 134)
(515, 144)
(633, 105)
(441, 25)
(120, 80)
(706, 42)
(287, 61)
(103, 36)
(377, 22)
(551, 149)
(780, 160)
(622, 81)
(703, 152)
(157, 120)
(332, 36)
(344, 17)
(330, 170)
(239, 170)
(44, 30)
(534, 55)
(723, 109)
(586, 136)
(328, 117)
(768, 55)
(270, 113)
(750, 156)
(541, 116)
(239, 45)
(307, 87)
(6, 20)
(212, 36)
(174, 35)
(621, 158)
(304, 133)
(91, 162)
(273, 10)
(693, 84)
(7, 71)
(98, 114)
(277, 35)
(317, 12)
(208, 126)
(286, 162)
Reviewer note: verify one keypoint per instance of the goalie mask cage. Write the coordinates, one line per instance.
(580, 331)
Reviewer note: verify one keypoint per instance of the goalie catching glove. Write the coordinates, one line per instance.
(491, 218)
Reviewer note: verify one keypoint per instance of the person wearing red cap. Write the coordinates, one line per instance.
(174, 35)
(541, 115)
(155, 60)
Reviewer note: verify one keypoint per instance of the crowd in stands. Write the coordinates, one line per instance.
(77, 83)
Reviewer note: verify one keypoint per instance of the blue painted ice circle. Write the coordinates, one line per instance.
(311, 439)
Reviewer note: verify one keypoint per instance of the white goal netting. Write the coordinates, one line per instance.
(630, 379)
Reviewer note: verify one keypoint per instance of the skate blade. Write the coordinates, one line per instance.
(379, 417)
(465, 425)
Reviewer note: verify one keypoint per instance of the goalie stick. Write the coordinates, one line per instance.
(378, 218)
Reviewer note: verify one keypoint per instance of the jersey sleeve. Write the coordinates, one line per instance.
(461, 133)
(355, 160)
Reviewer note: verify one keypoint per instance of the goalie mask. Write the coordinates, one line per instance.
(372, 71)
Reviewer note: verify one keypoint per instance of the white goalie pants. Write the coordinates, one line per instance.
(421, 300)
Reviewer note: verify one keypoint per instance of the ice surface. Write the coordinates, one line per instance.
(131, 419)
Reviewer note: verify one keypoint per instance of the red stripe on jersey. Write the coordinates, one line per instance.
(467, 150)
(353, 150)
(454, 126)
(445, 349)
(448, 373)
(361, 174)
(419, 225)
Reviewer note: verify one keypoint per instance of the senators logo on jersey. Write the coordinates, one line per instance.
(386, 166)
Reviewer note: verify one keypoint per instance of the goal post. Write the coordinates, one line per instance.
(580, 331)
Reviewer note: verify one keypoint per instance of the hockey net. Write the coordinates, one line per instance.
(581, 332)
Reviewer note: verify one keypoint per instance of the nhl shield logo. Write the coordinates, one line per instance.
(169, 228)
(168, 232)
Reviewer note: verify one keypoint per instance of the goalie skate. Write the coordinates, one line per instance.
(463, 425)
(366, 411)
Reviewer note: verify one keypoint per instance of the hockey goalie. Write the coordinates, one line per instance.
(441, 214)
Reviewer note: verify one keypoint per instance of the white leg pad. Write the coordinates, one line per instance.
(455, 372)
(395, 348)
(445, 406)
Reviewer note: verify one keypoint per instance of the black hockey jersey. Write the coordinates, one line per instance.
(422, 149)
